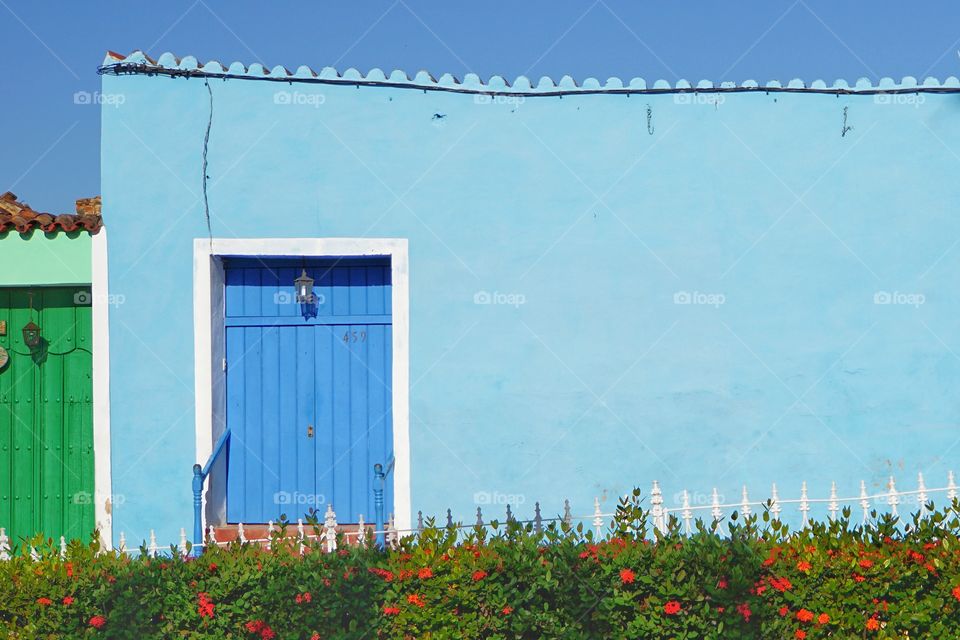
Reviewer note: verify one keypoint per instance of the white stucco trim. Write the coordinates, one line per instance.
(100, 312)
(207, 271)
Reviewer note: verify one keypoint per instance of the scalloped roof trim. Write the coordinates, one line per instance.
(498, 84)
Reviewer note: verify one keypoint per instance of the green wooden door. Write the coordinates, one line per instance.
(46, 415)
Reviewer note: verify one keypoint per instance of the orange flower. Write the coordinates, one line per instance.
(390, 611)
(956, 593)
(866, 564)
(823, 618)
(872, 624)
(671, 608)
(425, 573)
(804, 566)
(800, 634)
(783, 611)
(479, 575)
(507, 610)
(804, 615)
(858, 578)
(627, 576)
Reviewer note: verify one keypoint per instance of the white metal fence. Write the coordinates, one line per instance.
(686, 513)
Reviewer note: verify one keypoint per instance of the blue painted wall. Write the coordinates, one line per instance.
(781, 217)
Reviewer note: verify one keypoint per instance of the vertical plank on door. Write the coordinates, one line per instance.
(253, 383)
(238, 433)
(306, 412)
(288, 411)
(359, 452)
(270, 419)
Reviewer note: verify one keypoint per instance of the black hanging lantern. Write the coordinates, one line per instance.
(304, 288)
(31, 335)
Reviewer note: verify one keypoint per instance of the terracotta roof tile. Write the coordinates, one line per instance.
(19, 216)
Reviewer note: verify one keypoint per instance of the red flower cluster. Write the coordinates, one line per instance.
(425, 573)
(414, 598)
(744, 610)
(781, 584)
(303, 597)
(97, 622)
(956, 593)
(479, 575)
(67, 601)
(204, 605)
(804, 615)
(44, 602)
(627, 576)
(507, 610)
(390, 611)
(262, 628)
(671, 608)
(383, 573)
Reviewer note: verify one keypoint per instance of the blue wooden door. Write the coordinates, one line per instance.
(308, 398)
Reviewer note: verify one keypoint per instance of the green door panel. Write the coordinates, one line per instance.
(46, 415)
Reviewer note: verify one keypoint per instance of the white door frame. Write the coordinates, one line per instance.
(100, 320)
(209, 351)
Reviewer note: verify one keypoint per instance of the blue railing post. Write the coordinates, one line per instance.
(378, 482)
(197, 504)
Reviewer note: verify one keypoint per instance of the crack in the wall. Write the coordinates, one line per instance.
(650, 120)
(845, 129)
(206, 146)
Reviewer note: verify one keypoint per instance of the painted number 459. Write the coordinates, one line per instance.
(354, 336)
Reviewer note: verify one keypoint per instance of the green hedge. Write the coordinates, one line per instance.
(752, 579)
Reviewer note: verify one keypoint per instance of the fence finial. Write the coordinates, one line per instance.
(390, 539)
(537, 519)
(656, 503)
(269, 534)
(774, 502)
(567, 515)
(833, 506)
(183, 541)
(211, 536)
(745, 503)
(804, 504)
(153, 549)
(921, 494)
(241, 534)
(63, 548)
(893, 498)
(300, 536)
(450, 517)
(4, 545)
(687, 514)
(330, 524)
(715, 511)
(122, 547)
(479, 517)
(361, 532)
(420, 520)
(951, 487)
(597, 516)
(864, 502)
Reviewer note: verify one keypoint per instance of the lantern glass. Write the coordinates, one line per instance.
(304, 288)
(31, 335)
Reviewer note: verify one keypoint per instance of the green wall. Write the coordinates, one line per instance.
(37, 258)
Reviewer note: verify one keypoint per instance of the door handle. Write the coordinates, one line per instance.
(309, 430)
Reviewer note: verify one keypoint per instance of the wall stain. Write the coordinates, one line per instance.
(845, 129)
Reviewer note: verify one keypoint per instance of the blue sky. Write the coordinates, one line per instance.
(51, 50)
